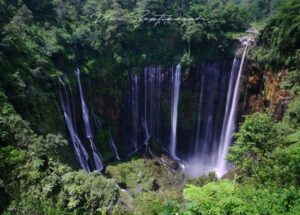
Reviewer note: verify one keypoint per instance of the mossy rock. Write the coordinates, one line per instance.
(143, 174)
(202, 180)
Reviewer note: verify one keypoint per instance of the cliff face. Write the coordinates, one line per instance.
(265, 91)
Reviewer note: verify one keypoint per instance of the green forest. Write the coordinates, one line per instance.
(112, 43)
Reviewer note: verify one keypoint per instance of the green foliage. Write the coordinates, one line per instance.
(287, 164)
(269, 151)
(32, 206)
(171, 207)
(23, 61)
(292, 81)
(214, 198)
(226, 197)
(260, 9)
(37, 173)
(253, 143)
(4, 197)
(14, 131)
(10, 158)
(41, 40)
(283, 27)
(279, 40)
(84, 192)
(159, 202)
(54, 185)
(220, 20)
(293, 113)
(149, 203)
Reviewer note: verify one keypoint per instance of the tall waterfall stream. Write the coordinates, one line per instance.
(202, 149)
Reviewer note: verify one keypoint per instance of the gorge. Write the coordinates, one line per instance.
(217, 88)
(149, 107)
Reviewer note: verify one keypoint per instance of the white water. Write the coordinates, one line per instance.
(229, 123)
(145, 119)
(85, 114)
(135, 111)
(176, 75)
(80, 150)
(111, 140)
(216, 121)
(114, 147)
(97, 122)
(151, 118)
(199, 117)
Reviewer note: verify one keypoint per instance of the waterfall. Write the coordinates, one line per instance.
(111, 141)
(152, 88)
(210, 95)
(211, 87)
(113, 147)
(145, 121)
(197, 140)
(202, 141)
(97, 122)
(85, 114)
(212, 71)
(80, 151)
(85, 111)
(134, 110)
(229, 124)
(174, 109)
(72, 103)
(143, 106)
